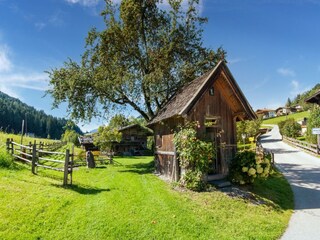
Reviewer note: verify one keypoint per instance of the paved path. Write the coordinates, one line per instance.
(303, 173)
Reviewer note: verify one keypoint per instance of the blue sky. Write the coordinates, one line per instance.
(272, 46)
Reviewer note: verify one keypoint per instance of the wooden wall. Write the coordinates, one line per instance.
(224, 106)
(224, 132)
(165, 158)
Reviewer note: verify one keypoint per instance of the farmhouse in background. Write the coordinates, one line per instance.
(315, 98)
(282, 111)
(216, 102)
(266, 113)
(134, 140)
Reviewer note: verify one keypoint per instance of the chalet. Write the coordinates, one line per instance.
(266, 113)
(315, 98)
(134, 140)
(213, 98)
(87, 144)
(298, 108)
(282, 111)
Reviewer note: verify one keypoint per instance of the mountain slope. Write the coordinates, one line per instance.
(13, 111)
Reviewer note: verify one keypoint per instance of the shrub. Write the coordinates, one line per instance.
(313, 122)
(246, 166)
(6, 160)
(195, 156)
(71, 136)
(290, 128)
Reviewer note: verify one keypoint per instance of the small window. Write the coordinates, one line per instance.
(158, 141)
(211, 122)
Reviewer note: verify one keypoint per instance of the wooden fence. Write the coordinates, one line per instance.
(261, 150)
(35, 155)
(313, 148)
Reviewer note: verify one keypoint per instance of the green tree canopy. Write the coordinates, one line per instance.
(118, 121)
(141, 58)
(106, 137)
(249, 128)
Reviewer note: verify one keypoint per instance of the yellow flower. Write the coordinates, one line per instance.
(251, 171)
(244, 169)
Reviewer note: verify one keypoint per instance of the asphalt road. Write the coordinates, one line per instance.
(303, 173)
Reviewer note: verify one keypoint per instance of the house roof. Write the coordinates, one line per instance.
(315, 98)
(148, 131)
(262, 111)
(181, 103)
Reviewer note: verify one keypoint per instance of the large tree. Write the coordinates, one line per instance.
(143, 56)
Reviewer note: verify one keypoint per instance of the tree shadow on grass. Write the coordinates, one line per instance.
(85, 190)
(140, 168)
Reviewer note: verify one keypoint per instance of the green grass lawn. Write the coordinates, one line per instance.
(127, 201)
(296, 116)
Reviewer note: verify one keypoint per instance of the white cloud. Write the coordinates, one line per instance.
(235, 60)
(295, 84)
(165, 5)
(86, 3)
(34, 81)
(296, 88)
(12, 78)
(40, 25)
(286, 72)
(56, 19)
(5, 63)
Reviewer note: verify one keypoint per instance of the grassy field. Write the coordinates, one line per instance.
(296, 116)
(25, 140)
(127, 201)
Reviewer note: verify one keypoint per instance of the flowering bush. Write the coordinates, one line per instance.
(194, 155)
(246, 166)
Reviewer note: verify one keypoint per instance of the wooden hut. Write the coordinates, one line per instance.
(87, 144)
(216, 102)
(315, 98)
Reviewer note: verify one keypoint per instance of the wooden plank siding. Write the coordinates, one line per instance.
(164, 162)
(219, 107)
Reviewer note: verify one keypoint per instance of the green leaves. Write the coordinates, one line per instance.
(313, 122)
(141, 58)
(106, 137)
(290, 128)
(194, 155)
(247, 166)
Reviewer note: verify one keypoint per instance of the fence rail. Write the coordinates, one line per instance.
(32, 154)
(314, 148)
(261, 150)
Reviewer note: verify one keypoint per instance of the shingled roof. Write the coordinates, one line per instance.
(185, 98)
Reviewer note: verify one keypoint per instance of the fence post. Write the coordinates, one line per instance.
(71, 163)
(11, 143)
(30, 146)
(8, 144)
(272, 158)
(34, 157)
(66, 166)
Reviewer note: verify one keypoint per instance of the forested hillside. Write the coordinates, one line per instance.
(13, 111)
(300, 98)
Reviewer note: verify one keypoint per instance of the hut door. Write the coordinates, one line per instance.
(213, 134)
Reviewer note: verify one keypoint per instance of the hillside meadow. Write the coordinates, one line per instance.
(296, 116)
(127, 200)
